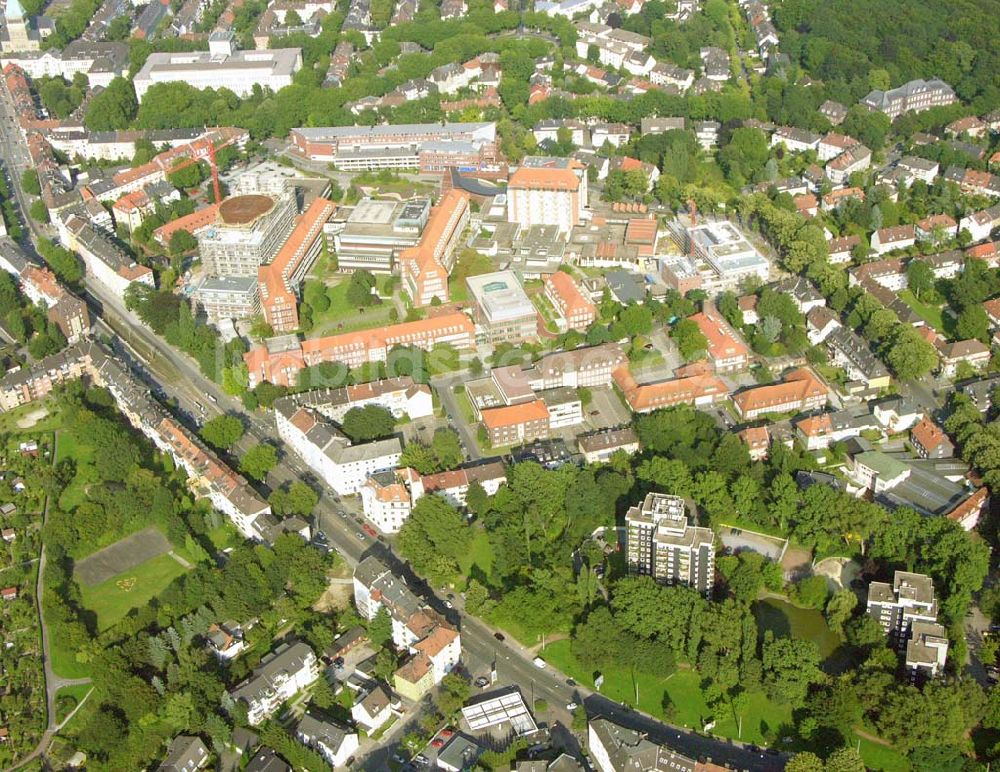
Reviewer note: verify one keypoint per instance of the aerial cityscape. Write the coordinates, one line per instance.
(517, 385)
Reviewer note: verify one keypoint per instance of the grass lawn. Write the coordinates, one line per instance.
(114, 598)
(681, 691)
(465, 407)
(50, 422)
(64, 660)
(69, 446)
(479, 555)
(933, 315)
(458, 290)
(225, 536)
(76, 692)
(883, 757)
(343, 317)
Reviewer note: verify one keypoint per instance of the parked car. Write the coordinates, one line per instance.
(499, 636)
(369, 530)
(539, 663)
(482, 682)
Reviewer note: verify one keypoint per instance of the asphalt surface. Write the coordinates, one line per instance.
(175, 375)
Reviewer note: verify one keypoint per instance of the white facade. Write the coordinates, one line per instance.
(239, 72)
(344, 467)
(279, 677)
(387, 506)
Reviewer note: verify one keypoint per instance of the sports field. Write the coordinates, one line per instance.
(113, 598)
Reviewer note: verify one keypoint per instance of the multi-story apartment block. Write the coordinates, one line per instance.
(425, 267)
(615, 748)
(547, 192)
(403, 397)
(503, 312)
(279, 676)
(914, 96)
(576, 312)
(517, 424)
(910, 598)
(434, 645)
(907, 612)
(386, 501)
(329, 453)
(104, 260)
(662, 543)
(40, 285)
(247, 233)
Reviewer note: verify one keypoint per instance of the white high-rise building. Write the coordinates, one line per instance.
(664, 545)
(548, 191)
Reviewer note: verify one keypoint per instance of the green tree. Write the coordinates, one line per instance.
(182, 242)
(39, 211)
(366, 423)
(222, 432)
(434, 538)
(113, 108)
(380, 628)
(791, 666)
(973, 324)
(839, 609)
(258, 461)
(359, 289)
(690, 340)
(30, 183)
(845, 760)
(919, 278)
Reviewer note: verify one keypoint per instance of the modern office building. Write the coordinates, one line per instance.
(504, 313)
(399, 146)
(278, 282)
(222, 66)
(227, 297)
(377, 231)
(248, 232)
(662, 543)
(425, 267)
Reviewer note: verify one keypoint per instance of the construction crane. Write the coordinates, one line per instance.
(203, 154)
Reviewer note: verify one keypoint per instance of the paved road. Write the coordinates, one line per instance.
(445, 385)
(177, 375)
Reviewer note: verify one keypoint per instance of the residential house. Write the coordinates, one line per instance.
(930, 441)
(937, 227)
(185, 754)
(820, 322)
(598, 447)
(758, 441)
(897, 237)
(279, 676)
(896, 414)
(372, 708)
(333, 742)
